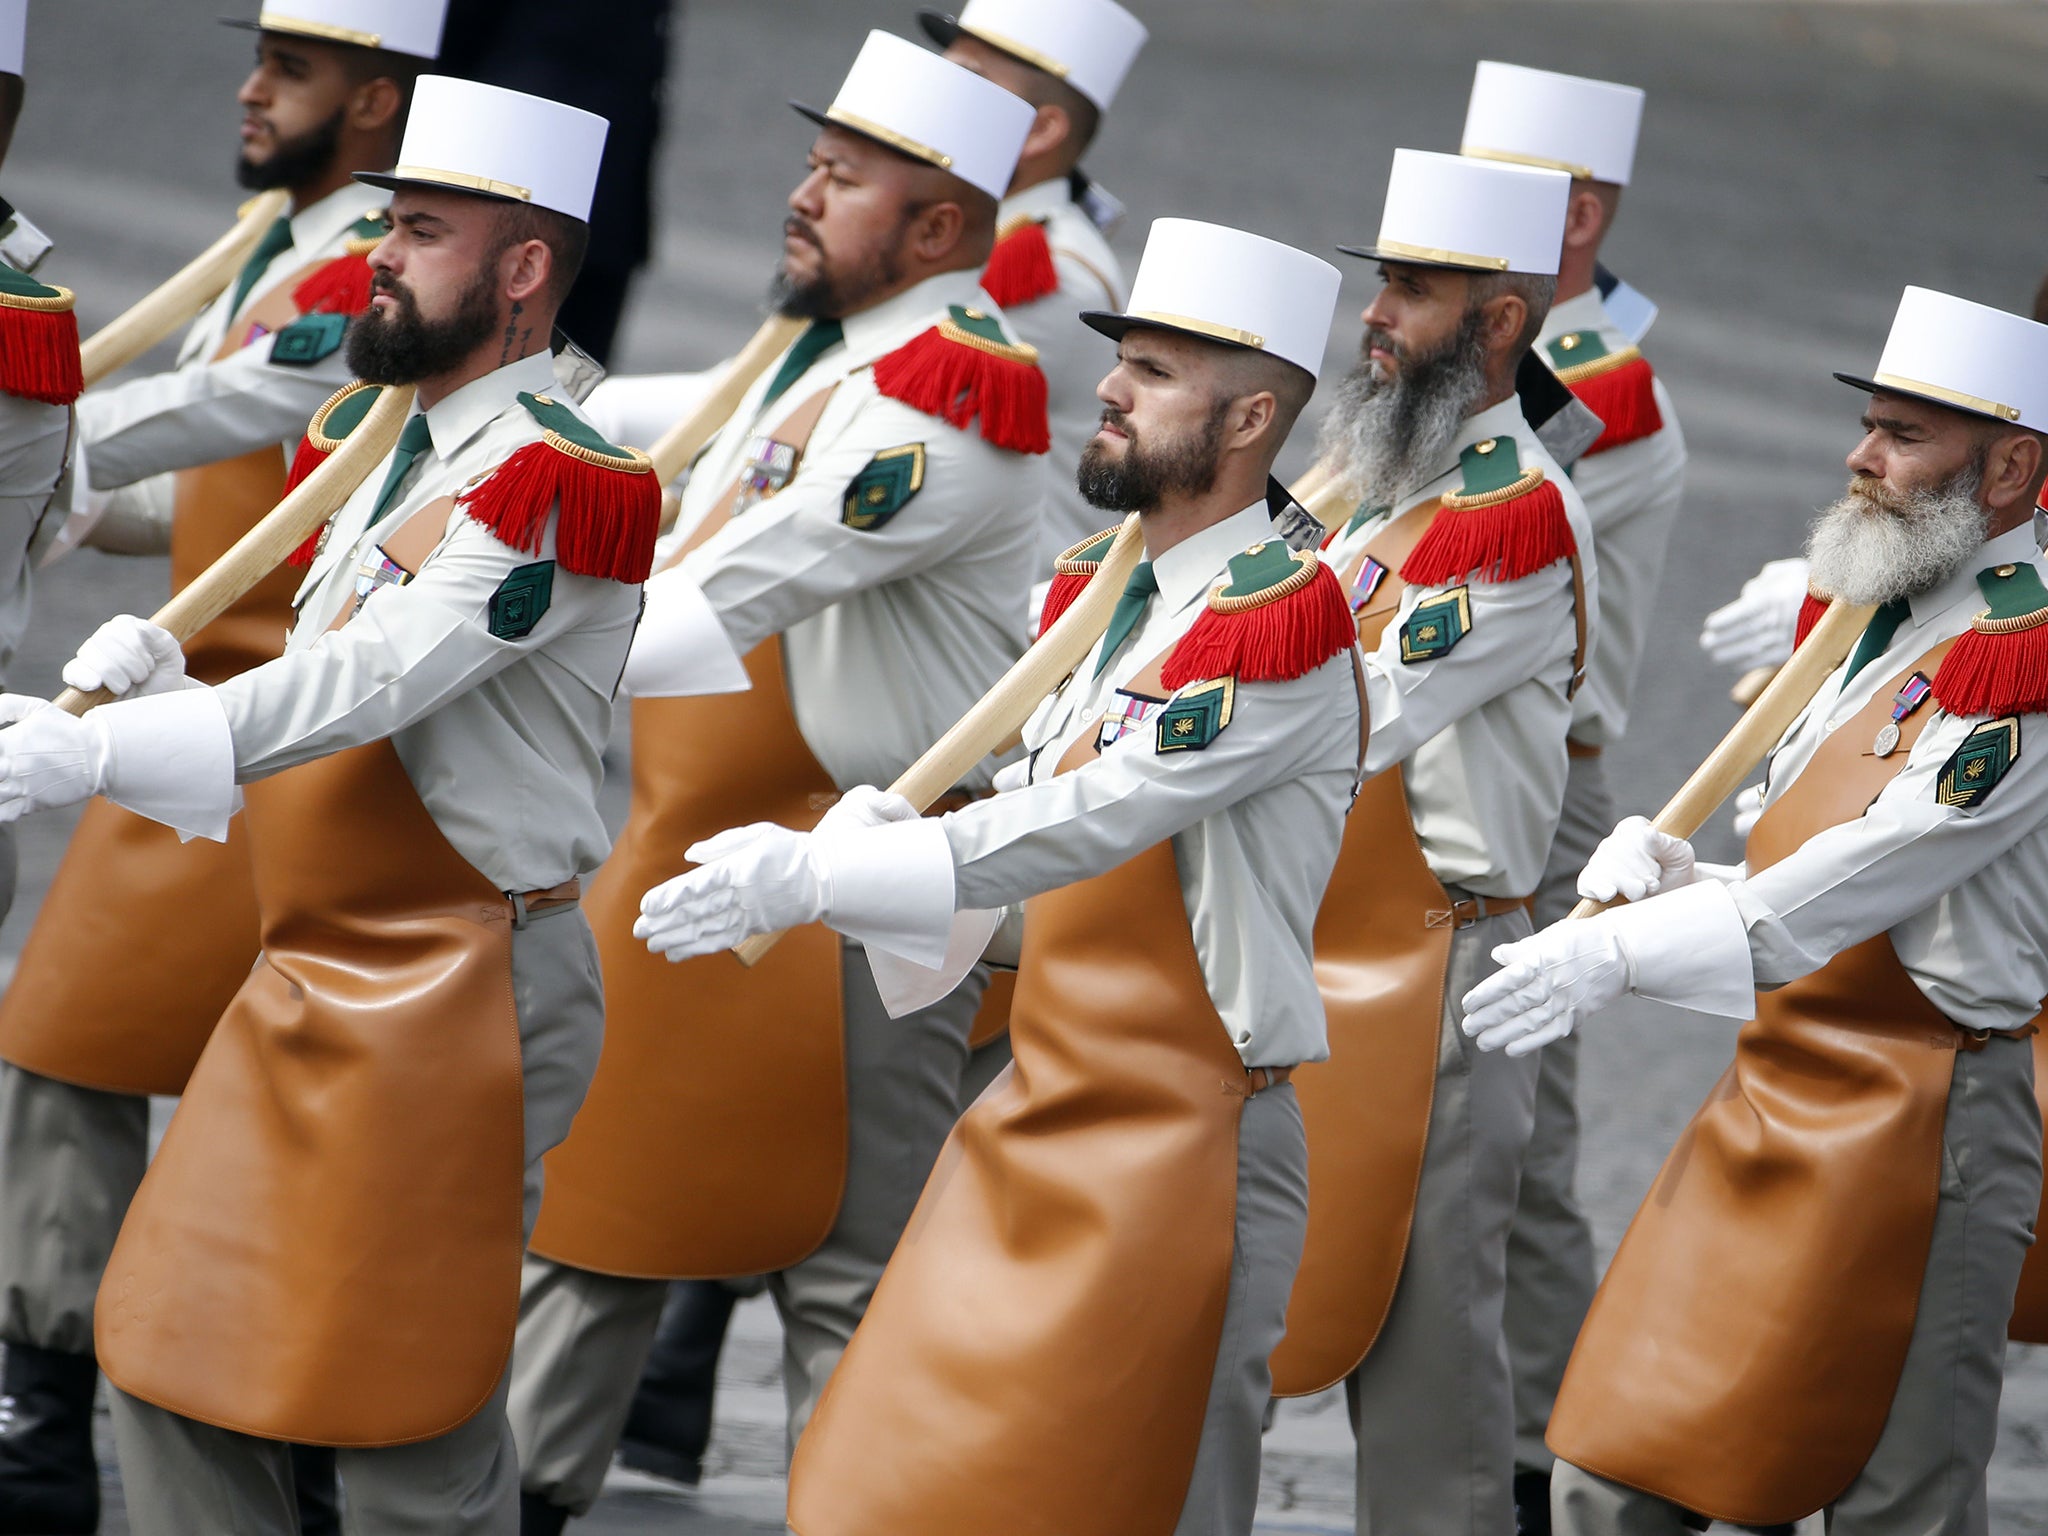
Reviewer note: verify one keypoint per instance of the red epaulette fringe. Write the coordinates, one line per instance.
(39, 355)
(1810, 610)
(1625, 400)
(304, 462)
(1274, 642)
(958, 381)
(2001, 673)
(610, 518)
(1501, 541)
(1059, 597)
(1020, 269)
(340, 287)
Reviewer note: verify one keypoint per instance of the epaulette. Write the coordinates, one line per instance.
(342, 286)
(965, 367)
(1020, 269)
(610, 498)
(1071, 574)
(1503, 523)
(38, 340)
(327, 431)
(1999, 665)
(1277, 614)
(1618, 387)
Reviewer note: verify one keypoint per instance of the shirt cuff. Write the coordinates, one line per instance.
(171, 757)
(1689, 947)
(891, 888)
(681, 650)
(905, 986)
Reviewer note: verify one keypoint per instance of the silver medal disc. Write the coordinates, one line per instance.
(1887, 740)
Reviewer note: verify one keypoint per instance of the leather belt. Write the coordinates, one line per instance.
(531, 906)
(1977, 1039)
(1259, 1079)
(1579, 749)
(1476, 909)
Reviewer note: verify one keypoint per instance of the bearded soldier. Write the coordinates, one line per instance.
(1632, 480)
(201, 453)
(1469, 567)
(421, 767)
(848, 574)
(1809, 1311)
(1132, 1191)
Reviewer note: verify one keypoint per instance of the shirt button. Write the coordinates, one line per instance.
(1829, 728)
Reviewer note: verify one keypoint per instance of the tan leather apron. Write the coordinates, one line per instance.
(713, 1140)
(1037, 1358)
(1741, 1356)
(180, 916)
(2030, 1306)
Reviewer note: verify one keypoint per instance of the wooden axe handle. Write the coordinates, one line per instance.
(288, 525)
(1002, 711)
(1761, 728)
(181, 296)
(682, 442)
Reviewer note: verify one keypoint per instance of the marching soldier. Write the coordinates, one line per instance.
(1469, 566)
(1632, 480)
(421, 769)
(1133, 1190)
(848, 574)
(199, 453)
(1810, 1308)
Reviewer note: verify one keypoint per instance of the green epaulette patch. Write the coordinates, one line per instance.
(884, 488)
(1986, 756)
(1575, 350)
(341, 415)
(308, 340)
(1196, 715)
(563, 429)
(27, 293)
(1265, 573)
(367, 233)
(1493, 470)
(979, 329)
(1086, 557)
(1437, 625)
(522, 600)
(2011, 593)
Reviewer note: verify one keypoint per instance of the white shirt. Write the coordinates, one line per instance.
(1254, 817)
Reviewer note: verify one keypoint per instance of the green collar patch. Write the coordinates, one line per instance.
(341, 415)
(2014, 597)
(1196, 715)
(979, 329)
(884, 488)
(1437, 625)
(571, 434)
(1576, 349)
(1986, 756)
(1265, 573)
(1086, 557)
(1490, 466)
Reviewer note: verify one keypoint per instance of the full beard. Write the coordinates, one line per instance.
(1388, 433)
(1876, 545)
(826, 296)
(403, 347)
(295, 161)
(1145, 476)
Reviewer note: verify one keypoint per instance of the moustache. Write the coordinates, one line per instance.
(1112, 417)
(797, 229)
(1376, 338)
(1876, 496)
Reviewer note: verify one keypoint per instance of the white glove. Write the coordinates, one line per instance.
(1636, 860)
(1756, 630)
(1749, 809)
(48, 759)
(127, 656)
(1012, 776)
(1546, 985)
(866, 806)
(753, 879)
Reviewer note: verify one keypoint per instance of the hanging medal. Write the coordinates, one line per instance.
(1904, 702)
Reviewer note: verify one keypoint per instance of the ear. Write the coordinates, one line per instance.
(1049, 130)
(1583, 217)
(937, 231)
(1251, 417)
(375, 105)
(524, 270)
(2012, 471)
(1507, 316)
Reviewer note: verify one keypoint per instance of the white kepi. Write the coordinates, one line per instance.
(932, 110)
(402, 26)
(1471, 215)
(13, 35)
(497, 143)
(1090, 44)
(1967, 356)
(1585, 128)
(1225, 285)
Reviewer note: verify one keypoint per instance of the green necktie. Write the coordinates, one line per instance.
(412, 442)
(275, 242)
(813, 344)
(1129, 609)
(1883, 625)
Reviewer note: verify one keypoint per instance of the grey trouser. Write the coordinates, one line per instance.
(584, 1337)
(184, 1477)
(1550, 1247)
(1272, 1221)
(1926, 1475)
(1431, 1405)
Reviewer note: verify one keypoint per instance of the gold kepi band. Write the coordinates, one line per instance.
(1024, 51)
(1199, 327)
(1399, 249)
(1953, 397)
(464, 181)
(1510, 157)
(277, 21)
(890, 137)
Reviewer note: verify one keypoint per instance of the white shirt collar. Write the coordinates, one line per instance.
(1583, 313)
(321, 224)
(2013, 547)
(889, 324)
(453, 422)
(1189, 569)
(1041, 201)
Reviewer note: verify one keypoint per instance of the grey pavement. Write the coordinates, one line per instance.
(1800, 164)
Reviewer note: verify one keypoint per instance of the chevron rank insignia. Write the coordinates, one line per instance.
(308, 340)
(1196, 715)
(522, 600)
(1437, 625)
(1986, 756)
(884, 488)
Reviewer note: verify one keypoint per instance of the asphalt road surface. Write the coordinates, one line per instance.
(1800, 164)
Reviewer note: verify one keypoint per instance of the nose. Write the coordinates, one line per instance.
(1375, 314)
(806, 199)
(1864, 458)
(252, 93)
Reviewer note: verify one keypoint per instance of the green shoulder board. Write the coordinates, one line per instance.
(566, 432)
